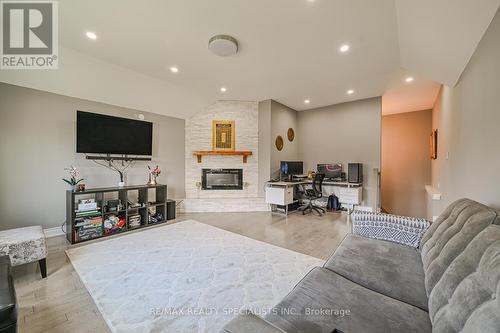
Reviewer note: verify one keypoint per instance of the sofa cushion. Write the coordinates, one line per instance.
(450, 234)
(467, 297)
(248, 322)
(385, 267)
(324, 301)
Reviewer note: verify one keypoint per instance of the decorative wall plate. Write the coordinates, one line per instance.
(279, 142)
(290, 134)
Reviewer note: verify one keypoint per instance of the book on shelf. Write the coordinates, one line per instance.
(134, 221)
(86, 234)
(136, 205)
(88, 225)
(87, 213)
(87, 210)
(87, 206)
(89, 222)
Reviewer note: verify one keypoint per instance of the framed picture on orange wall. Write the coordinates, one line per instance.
(433, 144)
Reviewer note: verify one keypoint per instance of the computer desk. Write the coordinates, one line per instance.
(281, 193)
(349, 194)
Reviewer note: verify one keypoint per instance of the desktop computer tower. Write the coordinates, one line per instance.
(355, 173)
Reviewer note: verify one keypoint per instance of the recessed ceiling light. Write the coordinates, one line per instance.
(344, 48)
(223, 89)
(174, 69)
(307, 101)
(91, 35)
(350, 91)
(409, 79)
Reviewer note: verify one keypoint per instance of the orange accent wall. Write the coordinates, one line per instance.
(406, 164)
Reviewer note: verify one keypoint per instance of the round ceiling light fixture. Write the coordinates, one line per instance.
(223, 45)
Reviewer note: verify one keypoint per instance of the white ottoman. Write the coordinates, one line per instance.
(25, 245)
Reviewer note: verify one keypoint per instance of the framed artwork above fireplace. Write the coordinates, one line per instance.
(223, 135)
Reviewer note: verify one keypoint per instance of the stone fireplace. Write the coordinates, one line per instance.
(223, 183)
(222, 179)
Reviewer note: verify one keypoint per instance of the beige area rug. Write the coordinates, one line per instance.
(185, 277)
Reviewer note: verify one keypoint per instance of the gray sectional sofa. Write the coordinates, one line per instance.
(451, 283)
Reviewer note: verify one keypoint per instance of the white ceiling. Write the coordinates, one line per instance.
(288, 48)
(438, 37)
(400, 96)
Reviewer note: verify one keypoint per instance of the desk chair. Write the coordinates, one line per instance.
(314, 193)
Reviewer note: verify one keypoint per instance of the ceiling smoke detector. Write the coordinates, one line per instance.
(223, 45)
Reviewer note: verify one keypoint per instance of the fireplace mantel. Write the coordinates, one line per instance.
(200, 153)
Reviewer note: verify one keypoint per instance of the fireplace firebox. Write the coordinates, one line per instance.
(222, 179)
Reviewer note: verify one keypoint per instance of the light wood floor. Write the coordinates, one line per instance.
(60, 303)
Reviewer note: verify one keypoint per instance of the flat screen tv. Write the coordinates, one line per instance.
(102, 134)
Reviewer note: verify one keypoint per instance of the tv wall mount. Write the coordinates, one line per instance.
(109, 162)
(110, 158)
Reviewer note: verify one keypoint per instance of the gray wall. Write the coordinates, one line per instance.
(348, 132)
(264, 145)
(406, 164)
(468, 118)
(283, 118)
(37, 141)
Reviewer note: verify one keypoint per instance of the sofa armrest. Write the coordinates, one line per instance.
(399, 229)
(250, 323)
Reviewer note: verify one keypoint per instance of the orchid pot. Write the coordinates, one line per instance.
(152, 175)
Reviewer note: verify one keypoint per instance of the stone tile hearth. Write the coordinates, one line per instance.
(194, 205)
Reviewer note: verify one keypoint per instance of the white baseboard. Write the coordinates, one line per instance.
(53, 232)
(364, 208)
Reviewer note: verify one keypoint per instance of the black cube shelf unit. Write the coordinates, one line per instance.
(99, 195)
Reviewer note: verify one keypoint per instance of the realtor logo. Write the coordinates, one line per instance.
(29, 35)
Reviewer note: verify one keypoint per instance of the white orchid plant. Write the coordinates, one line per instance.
(74, 176)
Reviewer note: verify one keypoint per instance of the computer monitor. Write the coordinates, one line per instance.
(292, 168)
(331, 171)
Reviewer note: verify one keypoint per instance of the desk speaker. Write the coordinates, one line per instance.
(170, 209)
(355, 173)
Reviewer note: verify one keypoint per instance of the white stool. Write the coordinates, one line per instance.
(25, 245)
